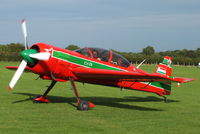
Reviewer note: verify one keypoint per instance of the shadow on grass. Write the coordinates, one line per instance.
(105, 101)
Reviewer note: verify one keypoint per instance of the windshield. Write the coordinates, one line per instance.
(119, 60)
(104, 55)
(84, 51)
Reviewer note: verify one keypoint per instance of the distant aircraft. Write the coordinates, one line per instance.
(91, 65)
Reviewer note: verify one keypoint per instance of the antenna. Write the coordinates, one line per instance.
(140, 63)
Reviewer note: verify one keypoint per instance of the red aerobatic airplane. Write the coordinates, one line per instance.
(91, 65)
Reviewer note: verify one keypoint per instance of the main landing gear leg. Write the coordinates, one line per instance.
(82, 104)
(165, 99)
(40, 99)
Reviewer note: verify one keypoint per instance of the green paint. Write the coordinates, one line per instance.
(161, 85)
(165, 61)
(82, 61)
(161, 72)
(25, 55)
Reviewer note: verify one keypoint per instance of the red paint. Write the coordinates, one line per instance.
(42, 99)
(91, 105)
(131, 78)
(9, 88)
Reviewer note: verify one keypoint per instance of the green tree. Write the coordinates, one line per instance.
(11, 52)
(72, 47)
(149, 50)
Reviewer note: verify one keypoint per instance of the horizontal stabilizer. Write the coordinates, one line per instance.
(183, 80)
(90, 73)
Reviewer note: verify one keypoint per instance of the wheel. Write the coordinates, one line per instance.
(83, 105)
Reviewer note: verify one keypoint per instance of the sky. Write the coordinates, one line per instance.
(123, 25)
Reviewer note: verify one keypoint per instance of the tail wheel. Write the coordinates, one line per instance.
(83, 105)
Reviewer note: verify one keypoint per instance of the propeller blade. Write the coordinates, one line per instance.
(17, 74)
(41, 56)
(24, 30)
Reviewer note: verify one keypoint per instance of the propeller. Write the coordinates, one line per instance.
(17, 74)
(30, 56)
(24, 30)
(41, 56)
(23, 64)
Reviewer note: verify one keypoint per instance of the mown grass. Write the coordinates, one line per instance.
(115, 112)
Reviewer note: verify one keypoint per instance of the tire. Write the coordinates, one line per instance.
(83, 105)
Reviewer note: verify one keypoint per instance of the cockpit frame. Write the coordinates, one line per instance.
(104, 55)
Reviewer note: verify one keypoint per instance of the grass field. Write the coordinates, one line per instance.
(116, 112)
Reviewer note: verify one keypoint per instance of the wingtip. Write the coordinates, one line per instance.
(183, 80)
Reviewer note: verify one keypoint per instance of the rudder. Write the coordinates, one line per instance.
(165, 68)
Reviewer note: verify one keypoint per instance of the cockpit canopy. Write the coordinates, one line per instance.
(104, 55)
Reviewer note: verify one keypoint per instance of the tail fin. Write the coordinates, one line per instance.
(164, 87)
(165, 68)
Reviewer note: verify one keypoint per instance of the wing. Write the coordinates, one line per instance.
(91, 73)
(16, 67)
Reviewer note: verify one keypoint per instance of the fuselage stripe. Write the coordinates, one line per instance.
(82, 62)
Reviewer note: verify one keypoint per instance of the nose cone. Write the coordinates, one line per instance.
(25, 55)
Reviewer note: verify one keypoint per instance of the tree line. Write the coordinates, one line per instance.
(180, 57)
(11, 52)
